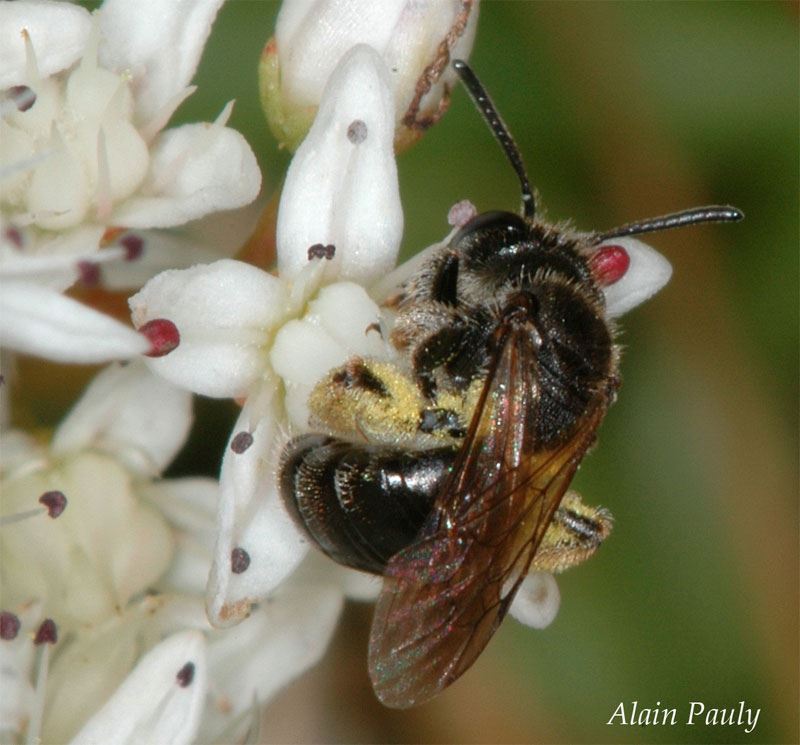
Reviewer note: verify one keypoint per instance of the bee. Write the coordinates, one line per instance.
(447, 470)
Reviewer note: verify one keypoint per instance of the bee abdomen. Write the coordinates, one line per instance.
(360, 504)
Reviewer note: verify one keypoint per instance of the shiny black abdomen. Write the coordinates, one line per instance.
(360, 504)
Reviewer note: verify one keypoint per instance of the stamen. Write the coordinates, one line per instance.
(53, 504)
(133, 245)
(22, 96)
(103, 191)
(318, 251)
(241, 442)
(46, 635)
(240, 560)
(13, 235)
(55, 501)
(163, 336)
(88, 273)
(357, 132)
(185, 675)
(9, 626)
(609, 264)
(461, 213)
(31, 66)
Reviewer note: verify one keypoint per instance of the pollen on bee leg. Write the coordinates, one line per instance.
(53, 504)
(461, 213)
(609, 264)
(163, 336)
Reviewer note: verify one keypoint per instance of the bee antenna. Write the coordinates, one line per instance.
(481, 99)
(712, 213)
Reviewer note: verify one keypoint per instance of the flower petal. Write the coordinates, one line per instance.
(58, 32)
(281, 640)
(648, 272)
(224, 313)
(160, 701)
(341, 187)
(132, 414)
(36, 320)
(195, 169)
(537, 600)
(251, 516)
(160, 43)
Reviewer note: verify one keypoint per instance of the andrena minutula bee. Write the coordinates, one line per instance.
(448, 472)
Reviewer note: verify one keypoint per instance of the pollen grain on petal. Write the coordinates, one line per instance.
(9, 625)
(163, 336)
(55, 501)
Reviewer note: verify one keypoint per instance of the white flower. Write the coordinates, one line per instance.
(120, 565)
(245, 333)
(87, 171)
(416, 38)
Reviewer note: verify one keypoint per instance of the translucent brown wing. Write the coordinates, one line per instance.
(445, 595)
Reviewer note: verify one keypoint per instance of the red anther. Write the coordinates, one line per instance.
(241, 442)
(133, 245)
(163, 336)
(14, 236)
(609, 264)
(185, 675)
(9, 626)
(47, 633)
(88, 273)
(240, 560)
(55, 501)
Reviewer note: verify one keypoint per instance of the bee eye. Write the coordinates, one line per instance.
(505, 226)
(609, 264)
(490, 237)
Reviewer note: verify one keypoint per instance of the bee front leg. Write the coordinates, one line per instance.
(576, 532)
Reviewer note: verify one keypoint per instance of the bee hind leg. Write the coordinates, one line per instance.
(576, 532)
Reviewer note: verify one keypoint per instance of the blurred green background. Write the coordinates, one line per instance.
(622, 111)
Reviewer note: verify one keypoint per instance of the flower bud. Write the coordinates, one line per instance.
(416, 38)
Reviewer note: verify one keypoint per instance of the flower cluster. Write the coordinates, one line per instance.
(142, 608)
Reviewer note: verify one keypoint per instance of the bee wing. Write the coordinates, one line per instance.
(446, 594)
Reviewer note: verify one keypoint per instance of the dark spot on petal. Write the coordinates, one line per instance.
(357, 132)
(22, 96)
(185, 675)
(241, 442)
(163, 336)
(318, 251)
(47, 633)
(9, 626)
(133, 245)
(240, 560)
(88, 273)
(55, 501)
